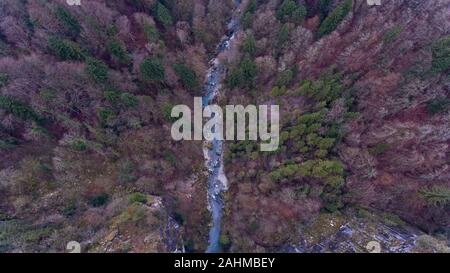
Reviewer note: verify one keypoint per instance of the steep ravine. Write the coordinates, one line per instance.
(213, 150)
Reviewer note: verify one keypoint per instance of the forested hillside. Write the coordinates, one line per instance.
(86, 153)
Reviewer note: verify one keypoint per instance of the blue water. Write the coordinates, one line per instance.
(214, 160)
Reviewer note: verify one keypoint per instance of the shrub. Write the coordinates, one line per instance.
(310, 136)
(334, 18)
(112, 95)
(321, 153)
(170, 157)
(438, 105)
(65, 49)
(438, 196)
(324, 8)
(187, 76)
(167, 112)
(151, 33)
(278, 91)
(325, 143)
(253, 226)
(379, 149)
(285, 77)
(332, 200)
(249, 45)
(246, 20)
(162, 15)
(129, 100)
(327, 88)
(234, 78)
(8, 143)
(139, 4)
(329, 171)
(392, 220)
(251, 6)
(225, 242)
(363, 212)
(97, 70)
(151, 70)
(117, 51)
(69, 23)
(69, 208)
(47, 94)
(282, 37)
(111, 30)
(18, 109)
(126, 171)
(99, 200)
(137, 198)
(34, 236)
(441, 55)
(289, 11)
(104, 115)
(243, 75)
(134, 213)
(4, 79)
(392, 34)
(78, 145)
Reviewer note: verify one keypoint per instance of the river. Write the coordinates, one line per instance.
(213, 151)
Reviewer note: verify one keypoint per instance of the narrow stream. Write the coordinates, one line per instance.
(213, 151)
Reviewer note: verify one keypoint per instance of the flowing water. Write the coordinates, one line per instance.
(213, 150)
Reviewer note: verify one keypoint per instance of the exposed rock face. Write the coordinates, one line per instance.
(157, 232)
(350, 234)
